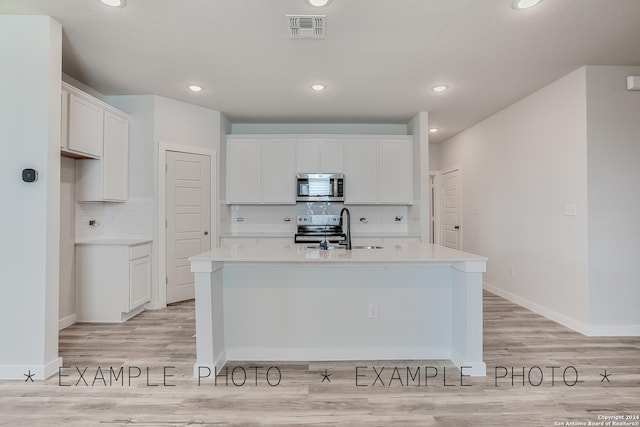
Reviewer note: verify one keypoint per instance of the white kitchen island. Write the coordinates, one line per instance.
(286, 302)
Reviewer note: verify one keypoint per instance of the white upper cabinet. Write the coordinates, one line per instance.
(361, 171)
(278, 172)
(320, 155)
(396, 172)
(84, 126)
(98, 135)
(244, 171)
(379, 171)
(106, 179)
(261, 171)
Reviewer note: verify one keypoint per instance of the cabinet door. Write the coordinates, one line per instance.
(320, 155)
(85, 127)
(139, 281)
(332, 156)
(309, 156)
(115, 157)
(244, 171)
(396, 172)
(278, 173)
(361, 180)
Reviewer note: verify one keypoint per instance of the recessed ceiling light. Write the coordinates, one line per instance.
(433, 130)
(524, 4)
(114, 3)
(195, 88)
(440, 88)
(318, 3)
(318, 87)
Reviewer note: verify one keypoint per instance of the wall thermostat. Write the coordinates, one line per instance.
(29, 175)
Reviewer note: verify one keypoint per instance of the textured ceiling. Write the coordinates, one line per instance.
(379, 58)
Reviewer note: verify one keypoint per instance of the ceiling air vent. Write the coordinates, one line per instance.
(307, 26)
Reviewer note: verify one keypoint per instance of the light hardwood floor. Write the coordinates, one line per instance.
(164, 340)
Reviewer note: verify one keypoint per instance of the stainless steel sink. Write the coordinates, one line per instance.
(367, 247)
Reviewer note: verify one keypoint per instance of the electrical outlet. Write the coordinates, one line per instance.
(373, 311)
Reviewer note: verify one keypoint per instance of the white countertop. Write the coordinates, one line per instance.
(115, 242)
(357, 235)
(291, 253)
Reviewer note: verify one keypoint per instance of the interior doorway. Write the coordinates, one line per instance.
(188, 228)
(451, 196)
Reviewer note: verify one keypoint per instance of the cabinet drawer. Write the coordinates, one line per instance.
(139, 251)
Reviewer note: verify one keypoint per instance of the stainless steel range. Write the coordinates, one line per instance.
(314, 229)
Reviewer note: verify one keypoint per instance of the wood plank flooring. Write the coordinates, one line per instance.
(384, 393)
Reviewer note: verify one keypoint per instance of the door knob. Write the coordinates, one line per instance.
(206, 233)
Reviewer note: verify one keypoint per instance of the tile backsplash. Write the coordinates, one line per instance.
(364, 218)
(132, 219)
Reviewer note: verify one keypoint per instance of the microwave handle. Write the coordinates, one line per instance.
(335, 187)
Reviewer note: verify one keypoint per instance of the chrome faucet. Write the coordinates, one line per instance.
(347, 243)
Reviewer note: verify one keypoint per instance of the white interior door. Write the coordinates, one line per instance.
(188, 213)
(451, 210)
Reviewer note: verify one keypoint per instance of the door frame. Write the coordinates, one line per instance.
(162, 214)
(434, 204)
(460, 200)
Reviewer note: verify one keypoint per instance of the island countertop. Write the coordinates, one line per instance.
(298, 303)
(300, 253)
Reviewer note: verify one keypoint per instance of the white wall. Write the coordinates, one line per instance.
(434, 157)
(186, 124)
(613, 152)
(31, 52)
(519, 168)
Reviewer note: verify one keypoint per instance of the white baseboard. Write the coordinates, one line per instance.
(217, 365)
(65, 322)
(613, 331)
(21, 372)
(584, 329)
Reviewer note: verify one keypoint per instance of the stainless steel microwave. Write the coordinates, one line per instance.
(320, 187)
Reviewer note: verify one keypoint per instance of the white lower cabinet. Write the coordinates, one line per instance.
(113, 280)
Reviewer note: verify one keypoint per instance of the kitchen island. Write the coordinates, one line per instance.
(287, 302)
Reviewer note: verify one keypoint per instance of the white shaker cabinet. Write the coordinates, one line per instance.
(113, 280)
(98, 135)
(84, 126)
(278, 172)
(260, 171)
(361, 171)
(244, 171)
(395, 172)
(379, 171)
(106, 179)
(320, 155)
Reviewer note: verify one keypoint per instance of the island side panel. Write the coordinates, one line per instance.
(320, 312)
(210, 341)
(467, 321)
